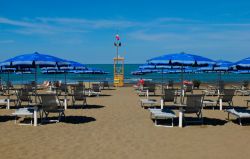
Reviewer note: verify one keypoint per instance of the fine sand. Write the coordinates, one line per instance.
(114, 126)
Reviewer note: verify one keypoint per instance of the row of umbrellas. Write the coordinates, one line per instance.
(37, 60)
(47, 63)
(183, 62)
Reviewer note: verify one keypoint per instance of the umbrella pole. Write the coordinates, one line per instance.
(65, 81)
(162, 81)
(22, 77)
(8, 82)
(89, 80)
(35, 84)
(182, 89)
(1, 76)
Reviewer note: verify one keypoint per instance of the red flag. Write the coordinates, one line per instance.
(117, 37)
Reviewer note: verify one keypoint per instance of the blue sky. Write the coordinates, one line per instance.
(84, 30)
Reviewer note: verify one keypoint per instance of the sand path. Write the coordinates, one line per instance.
(115, 126)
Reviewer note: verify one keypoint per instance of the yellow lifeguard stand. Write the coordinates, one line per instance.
(118, 71)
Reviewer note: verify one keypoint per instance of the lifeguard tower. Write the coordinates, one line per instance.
(118, 65)
(118, 71)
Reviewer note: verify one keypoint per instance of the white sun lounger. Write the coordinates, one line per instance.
(161, 114)
(244, 113)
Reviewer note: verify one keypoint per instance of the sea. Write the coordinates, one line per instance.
(128, 77)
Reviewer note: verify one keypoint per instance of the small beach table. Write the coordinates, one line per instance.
(30, 111)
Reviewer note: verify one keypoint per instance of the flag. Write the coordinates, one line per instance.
(117, 37)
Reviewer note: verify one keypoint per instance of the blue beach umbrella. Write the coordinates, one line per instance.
(34, 60)
(222, 65)
(242, 66)
(206, 69)
(77, 65)
(181, 59)
(244, 63)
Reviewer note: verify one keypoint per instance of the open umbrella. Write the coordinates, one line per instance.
(222, 65)
(34, 60)
(181, 59)
(243, 64)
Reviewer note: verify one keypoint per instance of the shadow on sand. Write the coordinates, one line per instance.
(6, 118)
(78, 119)
(192, 121)
(86, 106)
(69, 120)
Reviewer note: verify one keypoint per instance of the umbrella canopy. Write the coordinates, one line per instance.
(34, 59)
(243, 63)
(180, 58)
(208, 68)
(223, 62)
(222, 65)
(77, 65)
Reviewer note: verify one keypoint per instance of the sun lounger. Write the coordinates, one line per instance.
(170, 95)
(94, 91)
(162, 114)
(194, 103)
(51, 104)
(239, 114)
(242, 92)
(210, 91)
(148, 103)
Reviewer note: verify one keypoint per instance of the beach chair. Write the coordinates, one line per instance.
(79, 95)
(148, 89)
(242, 90)
(227, 97)
(169, 96)
(210, 91)
(221, 87)
(23, 95)
(2, 91)
(51, 104)
(62, 89)
(95, 90)
(162, 114)
(193, 105)
(105, 84)
(239, 114)
(170, 84)
(188, 88)
(45, 85)
(151, 88)
(9, 84)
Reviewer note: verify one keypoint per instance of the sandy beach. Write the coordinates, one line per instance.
(115, 126)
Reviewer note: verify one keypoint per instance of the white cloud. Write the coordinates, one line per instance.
(6, 41)
(43, 25)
